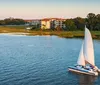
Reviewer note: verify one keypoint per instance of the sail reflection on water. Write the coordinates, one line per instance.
(86, 80)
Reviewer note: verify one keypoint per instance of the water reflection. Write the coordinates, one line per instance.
(86, 80)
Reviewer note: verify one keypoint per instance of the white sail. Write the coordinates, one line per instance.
(88, 47)
(81, 59)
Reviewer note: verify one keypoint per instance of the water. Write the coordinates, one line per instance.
(42, 60)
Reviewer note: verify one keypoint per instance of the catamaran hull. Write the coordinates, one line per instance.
(98, 70)
(83, 72)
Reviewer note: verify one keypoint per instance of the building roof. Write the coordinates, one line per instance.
(48, 19)
(45, 19)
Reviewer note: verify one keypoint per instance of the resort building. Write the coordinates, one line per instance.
(52, 23)
(45, 24)
(28, 22)
(35, 22)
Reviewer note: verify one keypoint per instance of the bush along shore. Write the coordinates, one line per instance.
(65, 34)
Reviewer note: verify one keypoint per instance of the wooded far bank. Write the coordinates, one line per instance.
(92, 21)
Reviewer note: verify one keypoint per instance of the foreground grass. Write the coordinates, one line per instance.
(65, 34)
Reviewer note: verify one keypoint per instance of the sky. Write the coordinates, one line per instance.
(37, 9)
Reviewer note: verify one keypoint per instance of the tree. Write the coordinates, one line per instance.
(2, 22)
(91, 21)
(70, 25)
(80, 23)
(97, 26)
(58, 28)
(12, 21)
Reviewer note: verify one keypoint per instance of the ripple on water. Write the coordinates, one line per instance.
(40, 60)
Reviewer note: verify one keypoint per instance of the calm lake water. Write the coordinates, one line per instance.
(42, 60)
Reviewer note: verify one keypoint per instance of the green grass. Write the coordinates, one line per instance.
(65, 34)
(8, 29)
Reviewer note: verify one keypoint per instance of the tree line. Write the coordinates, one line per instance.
(92, 21)
(12, 21)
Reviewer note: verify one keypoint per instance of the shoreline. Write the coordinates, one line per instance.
(64, 34)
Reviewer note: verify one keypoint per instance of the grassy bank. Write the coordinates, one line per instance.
(65, 34)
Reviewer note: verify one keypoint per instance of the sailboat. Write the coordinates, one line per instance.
(85, 63)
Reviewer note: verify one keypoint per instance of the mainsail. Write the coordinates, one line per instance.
(88, 50)
(81, 59)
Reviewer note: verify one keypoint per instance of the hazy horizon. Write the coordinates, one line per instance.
(38, 9)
